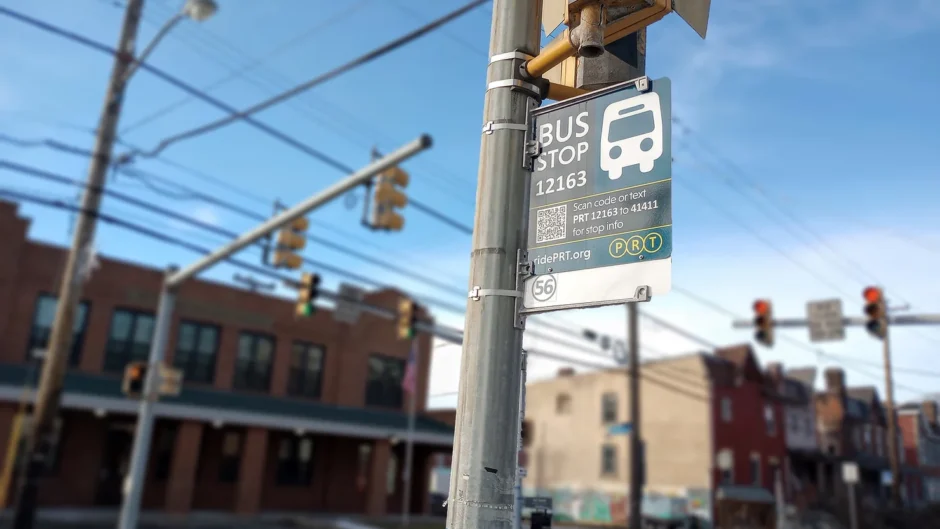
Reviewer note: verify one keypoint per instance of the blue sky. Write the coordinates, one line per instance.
(822, 110)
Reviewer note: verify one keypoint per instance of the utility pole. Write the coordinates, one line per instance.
(40, 439)
(636, 439)
(485, 446)
(893, 459)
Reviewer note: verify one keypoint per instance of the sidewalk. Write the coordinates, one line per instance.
(107, 519)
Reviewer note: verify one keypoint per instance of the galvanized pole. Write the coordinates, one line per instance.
(485, 444)
(39, 440)
(893, 458)
(137, 473)
(636, 462)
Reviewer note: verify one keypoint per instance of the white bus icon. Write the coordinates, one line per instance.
(632, 134)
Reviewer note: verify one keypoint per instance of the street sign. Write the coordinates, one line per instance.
(347, 304)
(620, 429)
(825, 320)
(600, 198)
(171, 381)
(850, 472)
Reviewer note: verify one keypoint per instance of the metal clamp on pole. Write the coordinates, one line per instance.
(511, 55)
(525, 87)
(492, 126)
(476, 293)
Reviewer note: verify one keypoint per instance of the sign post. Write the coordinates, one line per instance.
(850, 477)
(600, 198)
(825, 320)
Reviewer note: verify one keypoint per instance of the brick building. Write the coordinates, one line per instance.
(276, 413)
(695, 409)
(921, 431)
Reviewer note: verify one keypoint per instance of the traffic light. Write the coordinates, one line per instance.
(407, 318)
(134, 376)
(764, 322)
(387, 197)
(309, 290)
(290, 241)
(876, 311)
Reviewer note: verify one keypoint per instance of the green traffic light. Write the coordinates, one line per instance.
(308, 309)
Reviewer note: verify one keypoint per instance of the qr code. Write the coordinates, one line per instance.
(551, 224)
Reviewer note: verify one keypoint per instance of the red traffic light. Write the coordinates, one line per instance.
(762, 307)
(872, 294)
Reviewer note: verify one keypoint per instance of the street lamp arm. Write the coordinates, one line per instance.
(170, 24)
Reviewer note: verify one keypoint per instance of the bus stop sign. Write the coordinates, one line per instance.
(600, 198)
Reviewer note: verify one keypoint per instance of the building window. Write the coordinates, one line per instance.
(295, 461)
(383, 387)
(39, 332)
(196, 348)
(726, 410)
(867, 433)
(563, 404)
(857, 437)
(128, 339)
(609, 408)
(306, 369)
(253, 365)
(608, 460)
(231, 457)
(770, 419)
(755, 470)
(163, 452)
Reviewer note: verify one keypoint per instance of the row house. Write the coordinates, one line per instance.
(921, 433)
(804, 461)
(713, 429)
(276, 413)
(853, 426)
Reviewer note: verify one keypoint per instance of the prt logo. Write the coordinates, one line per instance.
(632, 134)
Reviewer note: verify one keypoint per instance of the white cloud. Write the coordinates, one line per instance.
(776, 36)
(206, 214)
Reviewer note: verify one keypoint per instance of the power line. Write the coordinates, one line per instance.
(192, 193)
(243, 69)
(742, 175)
(267, 129)
(141, 230)
(355, 63)
(750, 229)
(277, 81)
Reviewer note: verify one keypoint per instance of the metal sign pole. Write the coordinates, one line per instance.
(136, 475)
(133, 487)
(485, 456)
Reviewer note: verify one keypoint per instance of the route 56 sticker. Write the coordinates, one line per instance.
(544, 288)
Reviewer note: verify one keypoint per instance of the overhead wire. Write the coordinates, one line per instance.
(331, 74)
(241, 71)
(183, 86)
(267, 129)
(156, 234)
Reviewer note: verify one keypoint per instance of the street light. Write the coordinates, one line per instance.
(198, 10)
(49, 392)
